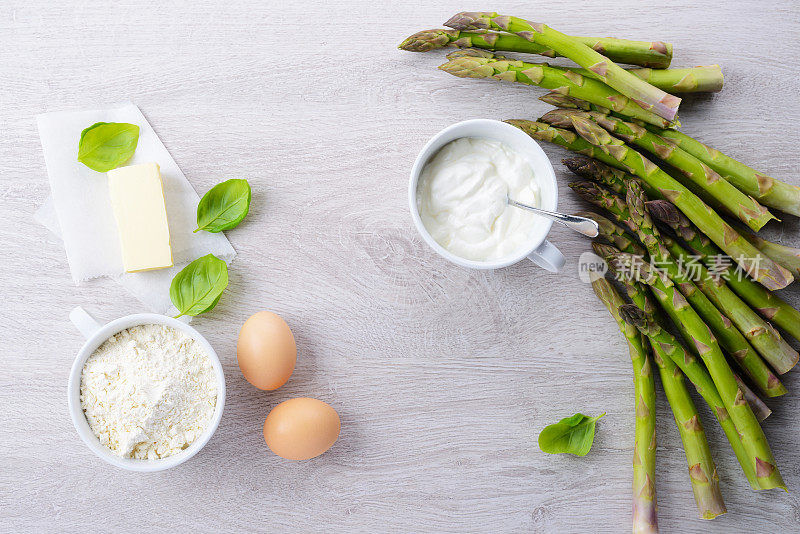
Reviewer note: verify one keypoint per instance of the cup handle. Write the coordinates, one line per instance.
(85, 323)
(548, 257)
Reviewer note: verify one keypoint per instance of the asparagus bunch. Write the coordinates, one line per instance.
(759, 332)
(644, 455)
(655, 54)
(769, 305)
(692, 369)
(650, 98)
(767, 341)
(687, 320)
(596, 142)
(715, 303)
(765, 189)
(742, 206)
(702, 470)
(760, 456)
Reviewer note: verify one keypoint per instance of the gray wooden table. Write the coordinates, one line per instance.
(443, 376)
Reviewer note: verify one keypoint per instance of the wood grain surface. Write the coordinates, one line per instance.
(443, 376)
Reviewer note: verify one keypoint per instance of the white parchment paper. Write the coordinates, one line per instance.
(79, 209)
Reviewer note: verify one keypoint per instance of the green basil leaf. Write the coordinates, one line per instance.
(198, 287)
(224, 206)
(107, 145)
(573, 435)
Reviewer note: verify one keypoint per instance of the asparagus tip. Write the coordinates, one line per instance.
(664, 211)
(579, 166)
(632, 315)
(560, 118)
(427, 40)
(603, 250)
(469, 20)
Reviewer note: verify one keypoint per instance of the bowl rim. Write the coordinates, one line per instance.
(76, 409)
(430, 149)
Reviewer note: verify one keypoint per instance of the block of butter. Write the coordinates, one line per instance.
(137, 197)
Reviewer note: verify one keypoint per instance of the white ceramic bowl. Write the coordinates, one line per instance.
(96, 334)
(538, 249)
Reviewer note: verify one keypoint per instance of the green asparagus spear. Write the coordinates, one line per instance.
(687, 80)
(650, 98)
(693, 370)
(635, 217)
(683, 315)
(647, 54)
(702, 469)
(704, 78)
(543, 75)
(764, 270)
(742, 206)
(769, 305)
(644, 451)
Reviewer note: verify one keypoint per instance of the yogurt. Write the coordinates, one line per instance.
(461, 197)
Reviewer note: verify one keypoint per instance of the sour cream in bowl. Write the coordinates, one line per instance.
(462, 199)
(458, 195)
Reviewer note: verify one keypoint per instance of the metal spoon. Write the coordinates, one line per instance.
(582, 225)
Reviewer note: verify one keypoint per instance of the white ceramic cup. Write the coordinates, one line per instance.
(95, 335)
(538, 249)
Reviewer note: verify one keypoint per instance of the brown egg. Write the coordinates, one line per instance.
(302, 428)
(266, 351)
